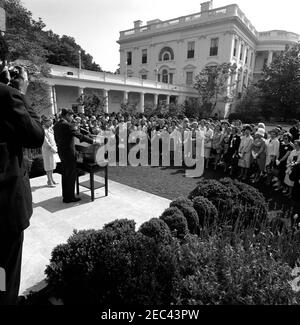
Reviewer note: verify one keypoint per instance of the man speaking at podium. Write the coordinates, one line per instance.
(64, 133)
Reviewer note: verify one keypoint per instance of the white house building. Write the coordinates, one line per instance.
(174, 51)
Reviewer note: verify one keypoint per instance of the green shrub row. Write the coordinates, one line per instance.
(215, 247)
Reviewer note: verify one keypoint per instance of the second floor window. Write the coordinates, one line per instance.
(242, 52)
(189, 77)
(129, 58)
(214, 46)
(247, 53)
(165, 76)
(191, 50)
(144, 76)
(235, 47)
(166, 56)
(144, 56)
(251, 59)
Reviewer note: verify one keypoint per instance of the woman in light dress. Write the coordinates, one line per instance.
(272, 145)
(49, 151)
(293, 159)
(245, 152)
(258, 154)
(208, 142)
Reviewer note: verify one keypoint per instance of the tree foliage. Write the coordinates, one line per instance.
(281, 83)
(249, 107)
(93, 103)
(212, 84)
(28, 40)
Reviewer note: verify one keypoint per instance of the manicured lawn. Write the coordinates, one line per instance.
(170, 182)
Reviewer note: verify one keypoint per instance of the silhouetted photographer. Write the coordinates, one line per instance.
(19, 128)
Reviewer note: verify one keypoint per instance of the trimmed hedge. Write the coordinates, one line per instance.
(207, 212)
(156, 229)
(176, 221)
(102, 267)
(235, 201)
(186, 207)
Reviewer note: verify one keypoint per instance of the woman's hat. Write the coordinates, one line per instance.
(45, 119)
(247, 127)
(260, 132)
(276, 131)
(261, 126)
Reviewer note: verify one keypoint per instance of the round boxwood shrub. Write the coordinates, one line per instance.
(214, 191)
(102, 267)
(156, 229)
(207, 212)
(181, 201)
(210, 189)
(176, 221)
(121, 226)
(186, 207)
(231, 186)
(255, 206)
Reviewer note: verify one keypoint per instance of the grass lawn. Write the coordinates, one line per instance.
(170, 182)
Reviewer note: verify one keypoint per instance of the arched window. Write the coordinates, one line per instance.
(166, 54)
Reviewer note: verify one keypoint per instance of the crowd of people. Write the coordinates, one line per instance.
(248, 152)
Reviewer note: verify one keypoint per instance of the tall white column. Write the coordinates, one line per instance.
(80, 91)
(54, 99)
(105, 95)
(142, 102)
(168, 100)
(270, 57)
(125, 96)
(155, 100)
(51, 100)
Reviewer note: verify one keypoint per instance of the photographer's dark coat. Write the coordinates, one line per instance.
(19, 128)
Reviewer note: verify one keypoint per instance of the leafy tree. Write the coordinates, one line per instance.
(28, 40)
(93, 103)
(128, 108)
(249, 107)
(212, 84)
(281, 83)
(192, 108)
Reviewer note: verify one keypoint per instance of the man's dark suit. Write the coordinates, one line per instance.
(19, 128)
(64, 133)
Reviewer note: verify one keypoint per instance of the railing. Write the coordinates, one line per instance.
(227, 11)
(64, 72)
(279, 35)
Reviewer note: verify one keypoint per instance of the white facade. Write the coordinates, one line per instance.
(174, 51)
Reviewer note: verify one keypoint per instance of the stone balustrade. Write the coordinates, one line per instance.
(109, 78)
(213, 15)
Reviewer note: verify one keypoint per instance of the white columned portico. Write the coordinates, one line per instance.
(142, 102)
(270, 57)
(105, 95)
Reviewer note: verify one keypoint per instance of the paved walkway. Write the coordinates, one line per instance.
(53, 222)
